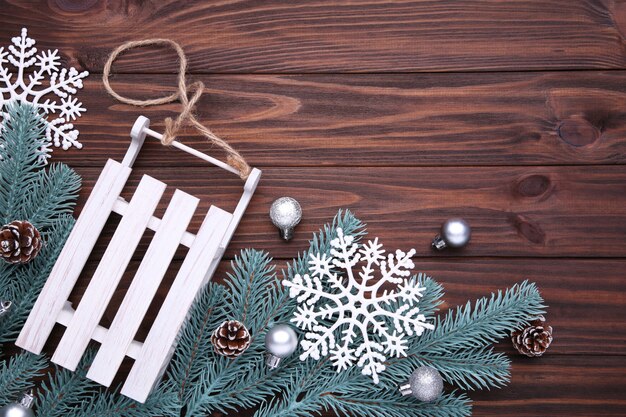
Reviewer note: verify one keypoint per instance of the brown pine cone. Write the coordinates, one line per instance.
(231, 339)
(534, 340)
(20, 242)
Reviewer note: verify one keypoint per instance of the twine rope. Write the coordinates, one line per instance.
(186, 116)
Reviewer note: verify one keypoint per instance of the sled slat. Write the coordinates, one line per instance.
(248, 192)
(144, 286)
(65, 317)
(73, 257)
(121, 206)
(109, 272)
(161, 340)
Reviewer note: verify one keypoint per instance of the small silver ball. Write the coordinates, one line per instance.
(456, 232)
(16, 410)
(5, 306)
(426, 384)
(286, 213)
(281, 340)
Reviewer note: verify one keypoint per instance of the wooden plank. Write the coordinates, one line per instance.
(73, 257)
(376, 120)
(572, 386)
(515, 211)
(161, 340)
(586, 297)
(109, 273)
(99, 333)
(331, 36)
(145, 284)
(240, 210)
(564, 386)
(121, 207)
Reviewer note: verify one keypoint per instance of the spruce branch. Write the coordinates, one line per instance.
(388, 404)
(489, 320)
(21, 140)
(22, 284)
(194, 346)
(50, 194)
(71, 394)
(469, 369)
(64, 389)
(458, 345)
(17, 375)
(253, 287)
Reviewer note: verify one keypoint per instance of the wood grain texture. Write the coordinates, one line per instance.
(514, 211)
(510, 114)
(559, 386)
(330, 36)
(586, 298)
(375, 120)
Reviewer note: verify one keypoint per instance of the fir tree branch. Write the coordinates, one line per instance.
(17, 375)
(71, 394)
(111, 404)
(218, 376)
(65, 389)
(22, 283)
(388, 404)
(466, 369)
(456, 347)
(21, 142)
(195, 341)
(51, 193)
(490, 320)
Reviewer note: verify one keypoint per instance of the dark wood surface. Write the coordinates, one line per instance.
(511, 114)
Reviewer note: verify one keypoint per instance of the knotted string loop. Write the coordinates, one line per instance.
(186, 116)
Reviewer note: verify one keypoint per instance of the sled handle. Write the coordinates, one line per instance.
(138, 134)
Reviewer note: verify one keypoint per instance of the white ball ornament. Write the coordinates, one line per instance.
(425, 384)
(455, 233)
(280, 341)
(286, 213)
(22, 408)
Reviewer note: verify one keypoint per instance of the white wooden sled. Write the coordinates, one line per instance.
(205, 251)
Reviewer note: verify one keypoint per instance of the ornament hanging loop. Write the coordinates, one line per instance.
(186, 116)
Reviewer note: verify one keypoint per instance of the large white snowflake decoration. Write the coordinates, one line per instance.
(370, 323)
(26, 84)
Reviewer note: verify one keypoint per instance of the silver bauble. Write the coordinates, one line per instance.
(425, 384)
(5, 306)
(22, 408)
(280, 341)
(286, 213)
(455, 233)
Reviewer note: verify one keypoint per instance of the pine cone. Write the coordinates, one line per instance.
(231, 339)
(20, 242)
(534, 340)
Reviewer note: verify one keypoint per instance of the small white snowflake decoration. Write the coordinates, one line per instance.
(352, 319)
(25, 83)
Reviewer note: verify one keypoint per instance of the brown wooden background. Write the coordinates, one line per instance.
(511, 114)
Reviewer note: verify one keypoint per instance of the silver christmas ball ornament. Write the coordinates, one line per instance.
(455, 233)
(280, 341)
(22, 408)
(286, 213)
(5, 306)
(425, 384)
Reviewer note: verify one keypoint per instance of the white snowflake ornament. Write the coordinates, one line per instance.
(351, 319)
(26, 84)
